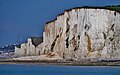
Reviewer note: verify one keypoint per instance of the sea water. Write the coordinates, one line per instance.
(23, 69)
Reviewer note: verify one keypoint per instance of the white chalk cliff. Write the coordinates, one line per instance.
(26, 49)
(82, 33)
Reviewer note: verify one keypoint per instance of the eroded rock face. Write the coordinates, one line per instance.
(27, 49)
(30, 48)
(80, 33)
(84, 33)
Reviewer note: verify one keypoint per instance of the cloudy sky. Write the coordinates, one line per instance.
(20, 19)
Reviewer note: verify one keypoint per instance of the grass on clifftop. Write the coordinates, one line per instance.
(116, 8)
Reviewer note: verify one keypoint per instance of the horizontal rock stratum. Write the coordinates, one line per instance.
(82, 33)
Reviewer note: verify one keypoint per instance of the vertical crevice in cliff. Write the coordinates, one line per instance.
(74, 43)
(53, 44)
(104, 35)
(75, 28)
(68, 26)
(88, 40)
(111, 31)
(76, 48)
(112, 27)
(87, 27)
(67, 42)
(115, 13)
(67, 32)
(78, 37)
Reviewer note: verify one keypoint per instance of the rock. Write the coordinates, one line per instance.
(81, 33)
(26, 49)
(84, 33)
(32, 47)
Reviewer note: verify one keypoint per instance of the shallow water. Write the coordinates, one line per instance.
(23, 69)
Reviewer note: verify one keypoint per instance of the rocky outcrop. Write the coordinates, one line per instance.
(29, 48)
(82, 33)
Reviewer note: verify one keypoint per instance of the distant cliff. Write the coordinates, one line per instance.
(28, 48)
(83, 33)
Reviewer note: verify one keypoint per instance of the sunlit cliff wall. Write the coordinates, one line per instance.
(83, 33)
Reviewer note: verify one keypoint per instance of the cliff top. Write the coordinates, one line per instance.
(111, 8)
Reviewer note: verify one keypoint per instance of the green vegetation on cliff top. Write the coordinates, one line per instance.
(116, 8)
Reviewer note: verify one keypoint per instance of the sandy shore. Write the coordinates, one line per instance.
(58, 62)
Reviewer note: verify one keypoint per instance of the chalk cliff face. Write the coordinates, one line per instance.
(26, 49)
(29, 48)
(83, 33)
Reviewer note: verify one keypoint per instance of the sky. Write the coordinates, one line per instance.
(20, 19)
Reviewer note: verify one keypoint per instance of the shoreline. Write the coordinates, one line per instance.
(61, 63)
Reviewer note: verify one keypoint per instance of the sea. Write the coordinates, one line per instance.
(35, 69)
